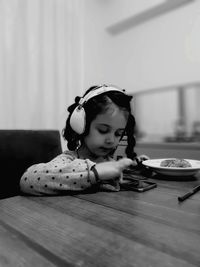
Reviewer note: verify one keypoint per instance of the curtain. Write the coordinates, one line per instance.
(40, 62)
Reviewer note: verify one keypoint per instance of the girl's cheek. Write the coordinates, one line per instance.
(117, 139)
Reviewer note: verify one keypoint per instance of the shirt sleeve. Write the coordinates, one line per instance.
(63, 173)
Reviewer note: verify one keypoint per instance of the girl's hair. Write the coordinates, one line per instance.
(97, 105)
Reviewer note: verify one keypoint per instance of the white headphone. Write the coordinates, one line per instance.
(78, 117)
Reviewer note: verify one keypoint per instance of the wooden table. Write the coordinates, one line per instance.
(103, 229)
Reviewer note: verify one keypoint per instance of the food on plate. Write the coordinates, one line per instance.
(176, 163)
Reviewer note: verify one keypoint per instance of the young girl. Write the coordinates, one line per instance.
(95, 125)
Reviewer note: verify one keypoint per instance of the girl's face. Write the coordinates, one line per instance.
(106, 131)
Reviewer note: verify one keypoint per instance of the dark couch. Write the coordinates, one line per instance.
(20, 149)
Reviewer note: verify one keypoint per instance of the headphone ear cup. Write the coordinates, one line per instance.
(78, 120)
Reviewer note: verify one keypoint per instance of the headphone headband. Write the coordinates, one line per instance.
(100, 90)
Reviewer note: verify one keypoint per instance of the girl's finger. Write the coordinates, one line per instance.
(143, 157)
(125, 162)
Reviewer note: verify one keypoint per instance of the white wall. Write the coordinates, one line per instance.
(163, 51)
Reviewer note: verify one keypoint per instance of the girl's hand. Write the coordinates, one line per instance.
(113, 169)
(142, 157)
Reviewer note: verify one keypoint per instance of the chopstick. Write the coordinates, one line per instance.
(190, 193)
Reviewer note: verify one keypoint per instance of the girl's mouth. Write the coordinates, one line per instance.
(106, 150)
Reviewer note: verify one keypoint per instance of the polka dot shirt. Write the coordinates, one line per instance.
(63, 173)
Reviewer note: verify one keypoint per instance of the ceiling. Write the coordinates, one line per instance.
(145, 13)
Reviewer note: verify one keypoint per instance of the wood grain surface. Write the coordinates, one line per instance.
(125, 228)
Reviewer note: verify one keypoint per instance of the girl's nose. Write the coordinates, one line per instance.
(110, 139)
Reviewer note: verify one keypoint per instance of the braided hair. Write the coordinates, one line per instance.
(97, 105)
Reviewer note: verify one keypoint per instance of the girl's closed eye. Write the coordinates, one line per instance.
(103, 130)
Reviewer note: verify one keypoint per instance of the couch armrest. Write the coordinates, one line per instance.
(20, 149)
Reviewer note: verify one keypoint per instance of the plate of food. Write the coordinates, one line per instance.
(173, 166)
